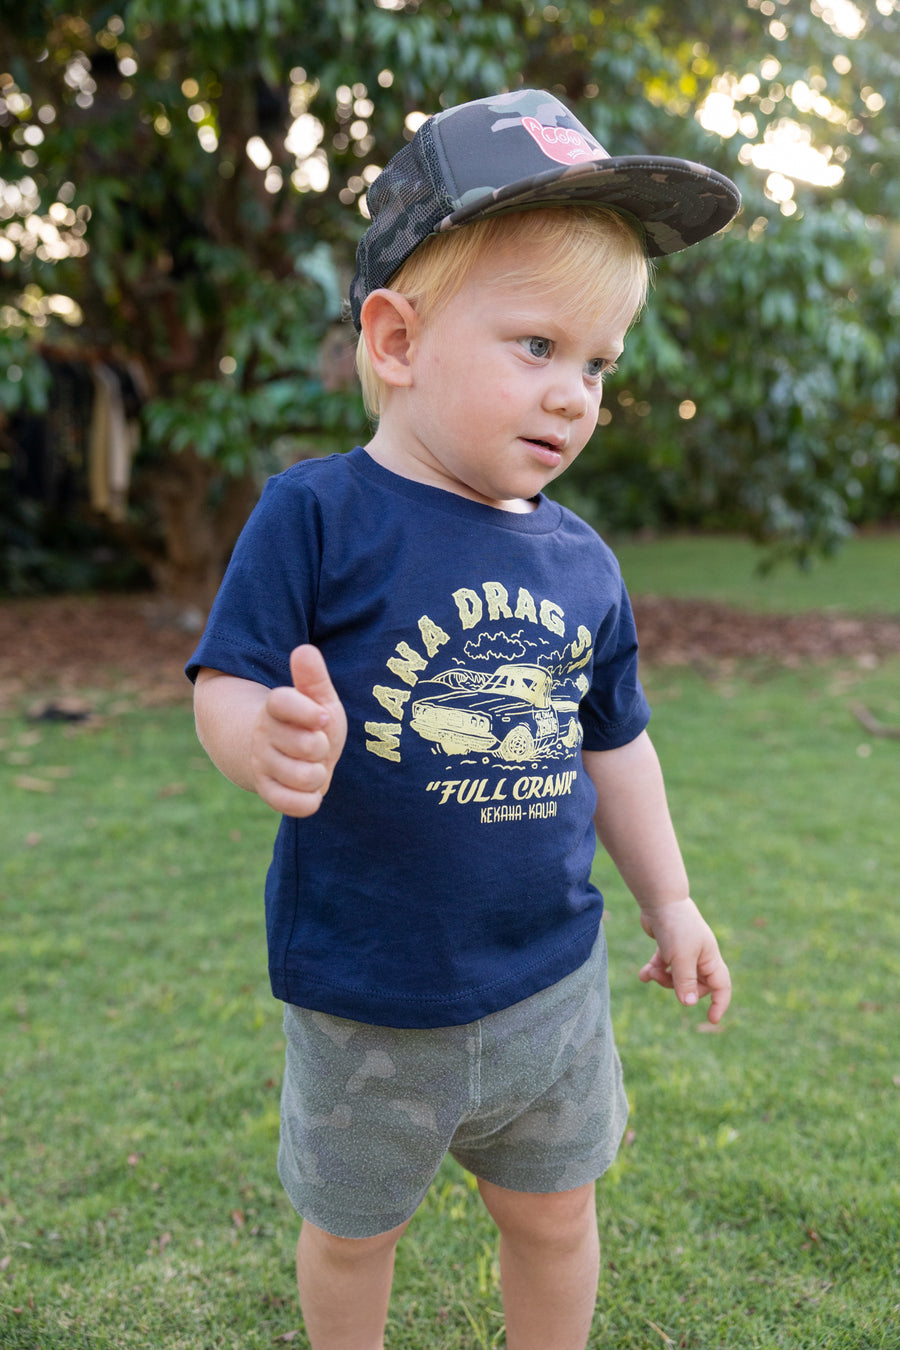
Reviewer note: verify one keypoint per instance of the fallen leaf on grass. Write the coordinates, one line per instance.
(237, 1218)
(29, 784)
(173, 790)
(60, 710)
(287, 1336)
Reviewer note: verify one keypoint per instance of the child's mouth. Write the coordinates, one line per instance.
(550, 454)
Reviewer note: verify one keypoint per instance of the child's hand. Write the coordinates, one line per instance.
(298, 738)
(687, 957)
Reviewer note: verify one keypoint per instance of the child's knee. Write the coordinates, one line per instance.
(556, 1219)
(348, 1251)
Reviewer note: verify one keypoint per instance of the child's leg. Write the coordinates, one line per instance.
(345, 1285)
(549, 1265)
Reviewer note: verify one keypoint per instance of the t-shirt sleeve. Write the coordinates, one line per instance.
(615, 710)
(266, 604)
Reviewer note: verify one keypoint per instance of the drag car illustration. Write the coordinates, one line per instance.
(510, 714)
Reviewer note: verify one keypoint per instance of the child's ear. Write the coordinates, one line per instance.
(389, 324)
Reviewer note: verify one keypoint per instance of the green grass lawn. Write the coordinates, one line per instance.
(756, 1204)
(862, 578)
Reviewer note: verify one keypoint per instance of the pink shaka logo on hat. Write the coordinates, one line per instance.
(562, 144)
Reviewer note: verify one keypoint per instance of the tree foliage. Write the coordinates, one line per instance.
(183, 184)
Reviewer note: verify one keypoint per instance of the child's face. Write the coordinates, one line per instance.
(505, 383)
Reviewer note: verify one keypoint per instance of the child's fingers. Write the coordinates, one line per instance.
(292, 765)
(298, 805)
(289, 742)
(692, 982)
(656, 969)
(718, 1006)
(299, 737)
(684, 982)
(295, 711)
(719, 986)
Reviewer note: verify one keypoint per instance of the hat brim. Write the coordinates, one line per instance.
(676, 202)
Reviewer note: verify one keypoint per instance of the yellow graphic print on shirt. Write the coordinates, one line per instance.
(510, 713)
(508, 700)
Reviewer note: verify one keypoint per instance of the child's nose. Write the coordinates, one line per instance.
(567, 394)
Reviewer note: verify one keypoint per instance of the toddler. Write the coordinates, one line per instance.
(429, 670)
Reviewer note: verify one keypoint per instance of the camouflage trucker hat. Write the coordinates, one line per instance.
(521, 149)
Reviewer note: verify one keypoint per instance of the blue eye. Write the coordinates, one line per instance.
(538, 347)
(597, 367)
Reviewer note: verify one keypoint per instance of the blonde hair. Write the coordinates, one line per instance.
(591, 246)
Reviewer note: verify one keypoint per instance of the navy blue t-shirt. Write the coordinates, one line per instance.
(476, 651)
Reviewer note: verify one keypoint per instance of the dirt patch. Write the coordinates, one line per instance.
(699, 633)
(66, 645)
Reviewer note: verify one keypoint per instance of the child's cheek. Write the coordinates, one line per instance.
(507, 393)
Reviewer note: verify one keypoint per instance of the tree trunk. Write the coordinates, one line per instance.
(200, 511)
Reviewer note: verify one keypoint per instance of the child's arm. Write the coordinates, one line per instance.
(633, 824)
(280, 743)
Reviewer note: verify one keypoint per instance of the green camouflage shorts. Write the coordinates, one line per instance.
(529, 1098)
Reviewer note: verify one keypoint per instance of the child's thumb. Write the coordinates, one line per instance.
(310, 675)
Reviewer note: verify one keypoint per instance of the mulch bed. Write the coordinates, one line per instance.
(693, 632)
(65, 645)
(70, 645)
